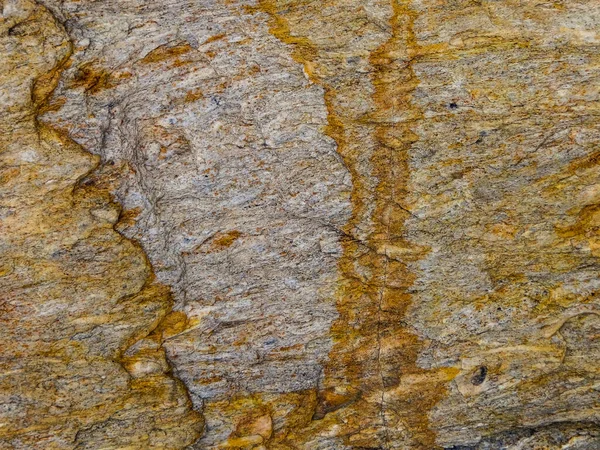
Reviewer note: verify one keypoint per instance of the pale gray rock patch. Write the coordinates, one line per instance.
(244, 156)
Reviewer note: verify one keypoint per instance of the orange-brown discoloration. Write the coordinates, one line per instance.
(44, 86)
(172, 324)
(268, 420)
(216, 37)
(106, 277)
(194, 95)
(224, 240)
(166, 52)
(93, 79)
(374, 355)
(128, 217)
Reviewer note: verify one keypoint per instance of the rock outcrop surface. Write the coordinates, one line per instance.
(80, 364)
(368, 224)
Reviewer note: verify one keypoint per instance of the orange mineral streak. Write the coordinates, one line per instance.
(373, 393)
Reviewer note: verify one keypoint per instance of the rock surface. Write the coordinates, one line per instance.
(80, 364)
(306, 225)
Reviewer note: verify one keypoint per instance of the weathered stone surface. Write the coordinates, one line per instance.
(79, 365)
(377, 220)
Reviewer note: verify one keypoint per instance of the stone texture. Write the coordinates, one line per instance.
(80, 366)
(368, 224)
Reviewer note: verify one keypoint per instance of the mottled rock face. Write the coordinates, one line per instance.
(299, 225)
(81, 365)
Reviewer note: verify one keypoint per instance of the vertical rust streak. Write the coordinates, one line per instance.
(382, 60)
(394, 81)
(373, 362)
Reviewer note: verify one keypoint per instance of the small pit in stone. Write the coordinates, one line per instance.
(479, 376)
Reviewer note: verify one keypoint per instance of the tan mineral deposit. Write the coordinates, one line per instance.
(300, 224)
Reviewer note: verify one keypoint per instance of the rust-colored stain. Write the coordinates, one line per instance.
(193, 95)
(224, 240)
(80, 212)
(93, 79)
(254, 417)
(44, 85)
(373, 391)
(216, 37)
(166, 52)
(55, 104)
(172, 324)
(219, 242)
(128, 217)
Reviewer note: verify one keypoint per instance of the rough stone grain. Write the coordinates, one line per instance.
(79, 365)
(377, 220)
